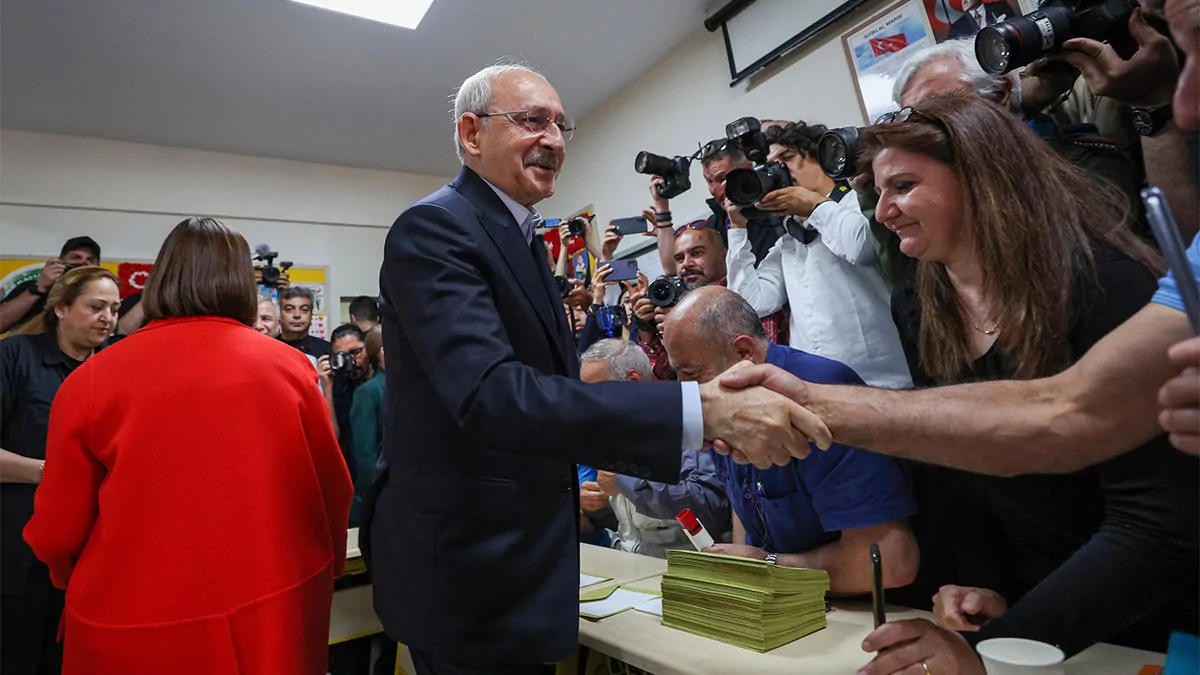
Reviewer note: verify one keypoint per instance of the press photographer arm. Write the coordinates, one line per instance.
(664, 229)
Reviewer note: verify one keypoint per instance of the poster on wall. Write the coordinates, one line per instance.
(877, 47)
(956, 19)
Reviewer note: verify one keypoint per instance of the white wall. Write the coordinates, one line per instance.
(128, 196)
(687, 99)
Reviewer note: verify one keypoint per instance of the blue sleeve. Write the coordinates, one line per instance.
(1168, 287)
(853, 488)
(699, 489)
(586, 473)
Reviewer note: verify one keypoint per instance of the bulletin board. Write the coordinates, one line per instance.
(133, 276)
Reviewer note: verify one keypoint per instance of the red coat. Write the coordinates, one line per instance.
(194, 506)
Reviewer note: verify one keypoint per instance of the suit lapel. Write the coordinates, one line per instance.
(498, 223)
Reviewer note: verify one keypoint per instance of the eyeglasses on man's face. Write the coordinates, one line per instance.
(536, 121)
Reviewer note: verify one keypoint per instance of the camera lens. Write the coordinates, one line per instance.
(576, 227)
(836, 152)
(664, 291)
(1004, 47)
(992, 50)
(563, 285)
(653, 165)
(744, 187)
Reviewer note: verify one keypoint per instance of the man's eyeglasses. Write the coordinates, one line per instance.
(712, 148)
(536, 122)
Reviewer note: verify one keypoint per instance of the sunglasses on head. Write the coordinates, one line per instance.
(694, 225)
(902, 115)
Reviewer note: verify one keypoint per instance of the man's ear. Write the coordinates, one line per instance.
(470, 128)
(744, 345)
(1006, 98)
(633, 376)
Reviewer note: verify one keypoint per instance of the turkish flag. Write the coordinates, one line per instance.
(133, 277)
(575, 244)
(889, 44)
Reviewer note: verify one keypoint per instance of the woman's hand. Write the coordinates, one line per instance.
(918, 647)
(599, 285)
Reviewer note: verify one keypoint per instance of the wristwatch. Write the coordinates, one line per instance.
(1150, 121)
(772, 558)
(37, 291)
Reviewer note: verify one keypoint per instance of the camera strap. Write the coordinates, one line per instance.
(807, 235)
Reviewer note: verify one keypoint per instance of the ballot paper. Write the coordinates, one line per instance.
(651, 607)
(620, 600)
(742, 601)
(588, 580)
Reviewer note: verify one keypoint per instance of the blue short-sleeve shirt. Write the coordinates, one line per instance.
(1168, 288)
(807, 504)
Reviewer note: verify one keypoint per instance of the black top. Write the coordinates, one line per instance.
(311, 345)
(343, 399)
(38, 307)
(1081, 557)
(32, 368)
(763, 229)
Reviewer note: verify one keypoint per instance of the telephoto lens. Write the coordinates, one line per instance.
(653, 165)
(837, 152)
(1006, 46)
(745, 187)
(666, 291)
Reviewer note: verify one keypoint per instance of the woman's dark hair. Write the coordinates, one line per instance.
(202, 269)
(374, 343)
(1031, 217)
(65, 291)
(798, 136)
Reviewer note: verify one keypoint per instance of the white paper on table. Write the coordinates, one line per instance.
(651, 607)
(620, 600)
(588, 580)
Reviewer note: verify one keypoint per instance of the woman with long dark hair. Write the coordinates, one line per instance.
(81, 311)
(1025, 262)
(187, 542)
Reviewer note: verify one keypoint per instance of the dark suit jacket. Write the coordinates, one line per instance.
(473, 540)
(966, 25)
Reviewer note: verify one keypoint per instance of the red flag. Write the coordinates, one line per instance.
(888, 45)
(133, 277)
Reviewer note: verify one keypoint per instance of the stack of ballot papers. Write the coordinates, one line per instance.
(742, 601)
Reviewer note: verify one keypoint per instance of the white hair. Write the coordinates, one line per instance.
(273, 301)
(973, 75)
(474, 95)
(621, 356)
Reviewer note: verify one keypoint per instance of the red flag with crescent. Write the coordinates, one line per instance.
(133, 277)
(889, 44)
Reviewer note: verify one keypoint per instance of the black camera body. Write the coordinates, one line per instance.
(837, 152)
(612, 317)
(563, 284)
(269, 273)
(745, 187)
(1006, 46)
(666, 291)
(344, 363)
(577, 226)
(675, 172)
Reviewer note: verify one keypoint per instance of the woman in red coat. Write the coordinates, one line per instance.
(195, 501)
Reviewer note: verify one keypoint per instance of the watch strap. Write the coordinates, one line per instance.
(772, 558)
(1150, 121)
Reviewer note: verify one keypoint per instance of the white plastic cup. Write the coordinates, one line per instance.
(1017, 656)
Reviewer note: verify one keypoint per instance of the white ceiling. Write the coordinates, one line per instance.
(275, 78)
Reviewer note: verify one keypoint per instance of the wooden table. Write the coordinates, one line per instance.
(641, 640)
(622, 567)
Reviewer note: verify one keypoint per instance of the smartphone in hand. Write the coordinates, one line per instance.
(1162, 222)
(877, 586)
(627, 226)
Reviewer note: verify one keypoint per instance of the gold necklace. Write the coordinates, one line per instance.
(966, 316)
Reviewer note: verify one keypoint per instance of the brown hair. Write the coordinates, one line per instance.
(374, 344)
(202, 269)
(65, 291)
(1031, 218)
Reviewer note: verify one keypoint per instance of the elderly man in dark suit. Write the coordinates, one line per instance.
(473, 538)
(978, 14)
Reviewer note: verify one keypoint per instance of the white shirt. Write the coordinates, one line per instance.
(980, 16)
(840, 307)
(693, 415)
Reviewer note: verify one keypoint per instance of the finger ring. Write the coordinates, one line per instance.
(926, 667)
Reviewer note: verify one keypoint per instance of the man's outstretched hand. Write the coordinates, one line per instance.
(794, 391)
(758, 426)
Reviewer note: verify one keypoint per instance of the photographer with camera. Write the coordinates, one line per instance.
(699, 257)
(825, 268)
(574, 291)
(350, 365)
(717, 159)
(28, 299)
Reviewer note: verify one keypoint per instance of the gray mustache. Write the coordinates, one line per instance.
(546, 160)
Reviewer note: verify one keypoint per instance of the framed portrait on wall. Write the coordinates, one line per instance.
(877, 47)
(956, 19)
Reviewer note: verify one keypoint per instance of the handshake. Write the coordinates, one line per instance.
(751, 412)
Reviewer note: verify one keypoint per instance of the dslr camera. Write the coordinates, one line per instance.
(675, 172)
(269, 273)
(563, 285)
(344, 363)
(745, 187)
(1006, 46)
(837, 152)
(666, 291)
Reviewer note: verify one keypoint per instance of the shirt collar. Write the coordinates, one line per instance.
(52, 355)
(518, 211)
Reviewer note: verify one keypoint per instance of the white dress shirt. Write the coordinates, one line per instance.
(840, 307)
(693, 415)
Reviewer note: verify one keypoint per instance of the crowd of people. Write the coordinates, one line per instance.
(971, 355)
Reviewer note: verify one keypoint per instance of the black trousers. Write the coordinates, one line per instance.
(427, 664)
(29, 627)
